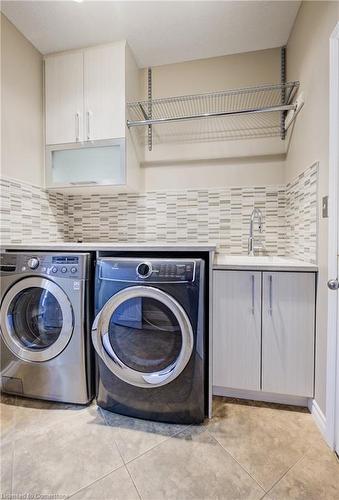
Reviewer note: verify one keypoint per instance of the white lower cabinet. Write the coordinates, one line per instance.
(288, 333)
(263, 331)
(237, 329)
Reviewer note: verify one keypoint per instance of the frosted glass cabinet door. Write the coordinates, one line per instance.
(288, 333)
(236, 329)
(87, 165)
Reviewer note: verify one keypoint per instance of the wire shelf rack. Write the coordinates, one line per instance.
(230, 114)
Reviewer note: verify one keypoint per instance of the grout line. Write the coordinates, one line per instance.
(135, 486)
(96, 480)
(158, 444)
(286, 472)
(126, 462)
(242, 466)
(113, 470)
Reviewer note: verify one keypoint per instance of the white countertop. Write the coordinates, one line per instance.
(222, 261)
(120, 247)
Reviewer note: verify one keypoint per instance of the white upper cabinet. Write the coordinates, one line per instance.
(64, 98)
(88, 144)
(85, 95)
(104, 92)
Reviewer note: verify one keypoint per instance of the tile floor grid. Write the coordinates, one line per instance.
(166, 457)
(243, 467)
(126, 461)
(122, 467)
(249, 473)
(282, 477)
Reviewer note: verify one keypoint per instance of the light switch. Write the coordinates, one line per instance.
(325, 207)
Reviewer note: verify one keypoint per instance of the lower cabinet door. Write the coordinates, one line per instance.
(236, 329)
(288, 333)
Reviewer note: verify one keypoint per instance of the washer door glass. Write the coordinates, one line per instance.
(36, 319)
(144, 336)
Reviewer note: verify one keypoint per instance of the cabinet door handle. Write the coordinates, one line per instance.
(271, 296)
(89, 128)
(77, 126)
(252, 278)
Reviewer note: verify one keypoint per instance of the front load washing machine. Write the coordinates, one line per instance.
(149, 336)
(45, 331)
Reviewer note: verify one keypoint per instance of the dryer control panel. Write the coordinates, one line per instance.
(148, 270)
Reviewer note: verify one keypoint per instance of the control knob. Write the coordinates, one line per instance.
(33, 263)
(144, 270)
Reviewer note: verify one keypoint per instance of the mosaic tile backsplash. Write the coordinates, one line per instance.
(302, 215)
(30, 214)
(217, 216)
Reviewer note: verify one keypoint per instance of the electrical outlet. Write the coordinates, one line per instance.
(325, 207)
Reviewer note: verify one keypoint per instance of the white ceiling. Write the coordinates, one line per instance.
(160, 32)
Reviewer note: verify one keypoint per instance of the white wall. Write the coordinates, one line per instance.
(201, 165)
(308, 61)
(21, 107)
(255, 171)
(244, 163)
(214, 74)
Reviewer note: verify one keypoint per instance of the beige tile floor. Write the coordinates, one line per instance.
(247, 451)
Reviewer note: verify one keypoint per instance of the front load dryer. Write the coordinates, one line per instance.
(149, 336)
(45, 331)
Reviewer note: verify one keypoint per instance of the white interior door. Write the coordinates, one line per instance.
(332, 385)
(337, 384)
(336, 149)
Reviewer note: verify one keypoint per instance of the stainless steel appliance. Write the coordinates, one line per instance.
(149, 335)
(45, 331)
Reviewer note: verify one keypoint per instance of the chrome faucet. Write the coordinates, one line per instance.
(255, 215)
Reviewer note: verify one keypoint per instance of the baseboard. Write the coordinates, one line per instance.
(318, 416)
(261, 396)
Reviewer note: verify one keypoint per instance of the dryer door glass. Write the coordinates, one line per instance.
(36, 319)
(145, 335)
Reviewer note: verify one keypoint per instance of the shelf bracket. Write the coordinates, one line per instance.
(144, 114)
(283, 91)
(149, 108)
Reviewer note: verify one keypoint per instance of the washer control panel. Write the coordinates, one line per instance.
(65, 265)
(148, 270)
(54, 265)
